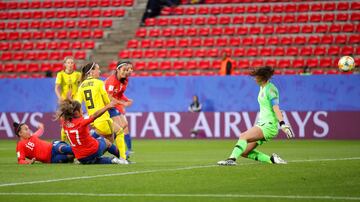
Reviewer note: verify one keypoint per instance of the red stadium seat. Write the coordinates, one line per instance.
(133, 43)
(315, 39)
(333, 50)
(183, 42)
(200, 53)
(312, 63)
(9, 67)
(257, 63)
(306, 51)
(347, 50)
(292, 51)
(279, 51)
(178, 65)
(341, 39)
(270, 63)
(20, 67)
(140, 65)
(191, 64)
(348, 28)
(174, 53)
(300, 40)
(298, 63)
(170, 43)
(244, 63)
(158, 43)
(146, 43)
(354, 39)
(327, 39)
(284, 63)
(319, 50)
(325, 62)
(343, 6)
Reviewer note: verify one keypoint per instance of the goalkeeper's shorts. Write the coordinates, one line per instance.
(270, 131)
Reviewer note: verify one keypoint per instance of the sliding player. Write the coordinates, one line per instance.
(266, 128)
(86, 148)
(31, 148)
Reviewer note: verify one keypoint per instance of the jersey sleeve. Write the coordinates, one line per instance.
(58, 78)
(20, 152)
(86, 121)
(273, 95)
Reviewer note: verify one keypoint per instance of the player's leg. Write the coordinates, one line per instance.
(119, 140)
(124, 124)
(111, 148)
(119, 132)
(251, 135)
(104, 128)
(251, 153)
(61, 152)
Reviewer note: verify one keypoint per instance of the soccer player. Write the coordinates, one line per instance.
(31, 148)
(266, 128)
(92, 91)
(116, 85)
(66, 83)
(86, 148)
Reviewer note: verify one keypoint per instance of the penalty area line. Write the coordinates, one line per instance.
(156, 171)
(188, 195)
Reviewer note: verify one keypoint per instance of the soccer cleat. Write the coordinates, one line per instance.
(227, 162)
(275, 159)
(119, 161)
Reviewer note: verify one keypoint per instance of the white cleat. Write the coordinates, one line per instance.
(227, 162)
(119, 161)
(275, 159)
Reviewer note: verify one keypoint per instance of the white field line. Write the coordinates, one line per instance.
(187, 195)
(156, 171)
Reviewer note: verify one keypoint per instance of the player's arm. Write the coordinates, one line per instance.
(101, 111)
(39, 131)
(21, 155)
(273, 95)
(127, 101)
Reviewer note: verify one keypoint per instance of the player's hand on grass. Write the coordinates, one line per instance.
(32, 161)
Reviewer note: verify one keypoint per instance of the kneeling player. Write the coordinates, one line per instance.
(31, 148)
(86, 148)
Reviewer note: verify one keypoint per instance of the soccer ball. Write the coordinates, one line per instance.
(346, 63)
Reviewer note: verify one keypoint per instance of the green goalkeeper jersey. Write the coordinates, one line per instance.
(267, 98)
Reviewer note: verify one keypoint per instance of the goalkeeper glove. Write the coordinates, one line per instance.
(287, 130)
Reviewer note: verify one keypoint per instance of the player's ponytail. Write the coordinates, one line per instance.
(17, 127)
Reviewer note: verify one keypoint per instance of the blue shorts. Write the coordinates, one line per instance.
(56, 155)
(114, 112)
(94, 157)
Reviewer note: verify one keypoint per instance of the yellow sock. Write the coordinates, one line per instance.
(120, 143)
(63, 135)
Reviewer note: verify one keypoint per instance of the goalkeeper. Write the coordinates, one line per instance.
(267, 126)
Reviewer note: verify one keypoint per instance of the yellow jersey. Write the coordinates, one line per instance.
(92, 92)
(68, 82)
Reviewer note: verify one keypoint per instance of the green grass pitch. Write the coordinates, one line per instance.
(185, 170)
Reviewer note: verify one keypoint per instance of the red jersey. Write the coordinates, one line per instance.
(34, 147)
(116, 89)
(78, 133)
